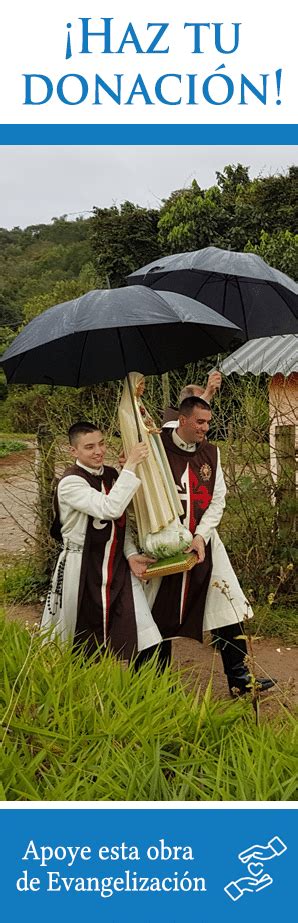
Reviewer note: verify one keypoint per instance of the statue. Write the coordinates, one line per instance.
(156, 504)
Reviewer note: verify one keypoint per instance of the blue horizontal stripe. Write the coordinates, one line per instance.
(149, 134)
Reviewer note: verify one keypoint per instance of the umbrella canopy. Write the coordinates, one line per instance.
(268, 354)
(107, 333)
(241, 286)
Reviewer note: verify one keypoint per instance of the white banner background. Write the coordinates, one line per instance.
(33, 40)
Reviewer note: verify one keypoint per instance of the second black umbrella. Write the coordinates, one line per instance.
(240, 286)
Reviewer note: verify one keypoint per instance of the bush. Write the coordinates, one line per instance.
(21, 582)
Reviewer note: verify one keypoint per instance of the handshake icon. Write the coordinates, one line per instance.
(253, 858)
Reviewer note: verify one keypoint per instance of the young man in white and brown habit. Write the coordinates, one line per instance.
(209, 597)
(96, 597)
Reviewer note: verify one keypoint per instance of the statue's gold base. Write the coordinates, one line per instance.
(178, 564)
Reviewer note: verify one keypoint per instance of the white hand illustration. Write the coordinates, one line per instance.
(235, 889)
(274, 848)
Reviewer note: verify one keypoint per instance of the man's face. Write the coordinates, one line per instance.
(89, 449)
(195, 427)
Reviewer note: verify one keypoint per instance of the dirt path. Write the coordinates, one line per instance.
(17, 501)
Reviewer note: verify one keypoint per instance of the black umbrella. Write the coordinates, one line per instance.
(105, 334)
(241, 286)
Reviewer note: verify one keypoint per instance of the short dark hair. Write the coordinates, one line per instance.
(187, 406)
(83, 426)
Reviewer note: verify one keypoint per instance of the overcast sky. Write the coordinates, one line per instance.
(39, 183)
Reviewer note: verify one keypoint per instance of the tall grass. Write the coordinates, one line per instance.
(72, 730)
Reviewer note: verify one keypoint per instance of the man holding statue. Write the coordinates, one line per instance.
(207, 597)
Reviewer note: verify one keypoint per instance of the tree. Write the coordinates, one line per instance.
(188, 219)
(194, 218)
(123, 239)
(279, 250)
(34, 259)
(232, 215)
(65, 290)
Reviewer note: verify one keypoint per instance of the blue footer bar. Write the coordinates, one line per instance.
(163, 865)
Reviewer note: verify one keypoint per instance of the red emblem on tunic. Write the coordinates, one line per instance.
(194, 495)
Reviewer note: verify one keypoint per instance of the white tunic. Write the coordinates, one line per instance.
(225, 601)
(77, 501)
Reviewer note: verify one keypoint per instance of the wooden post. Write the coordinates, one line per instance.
(165, 390)
(286, 481)
(45, 474)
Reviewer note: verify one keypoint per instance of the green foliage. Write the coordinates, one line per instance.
(64, 290)
(123, 239)
(6, 337)
(21, 581)
(234, 215)
(279, 250)
(188, 220)
(33, 260)
(263, 558)
(273, 202)
(26, 408)
(95, 731)
(10, 445)
(277, 621)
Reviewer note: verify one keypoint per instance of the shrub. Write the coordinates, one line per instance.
(21, 582)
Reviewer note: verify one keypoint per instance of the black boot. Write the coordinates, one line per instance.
(163, 650)
(239, 680)
(233, 651)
